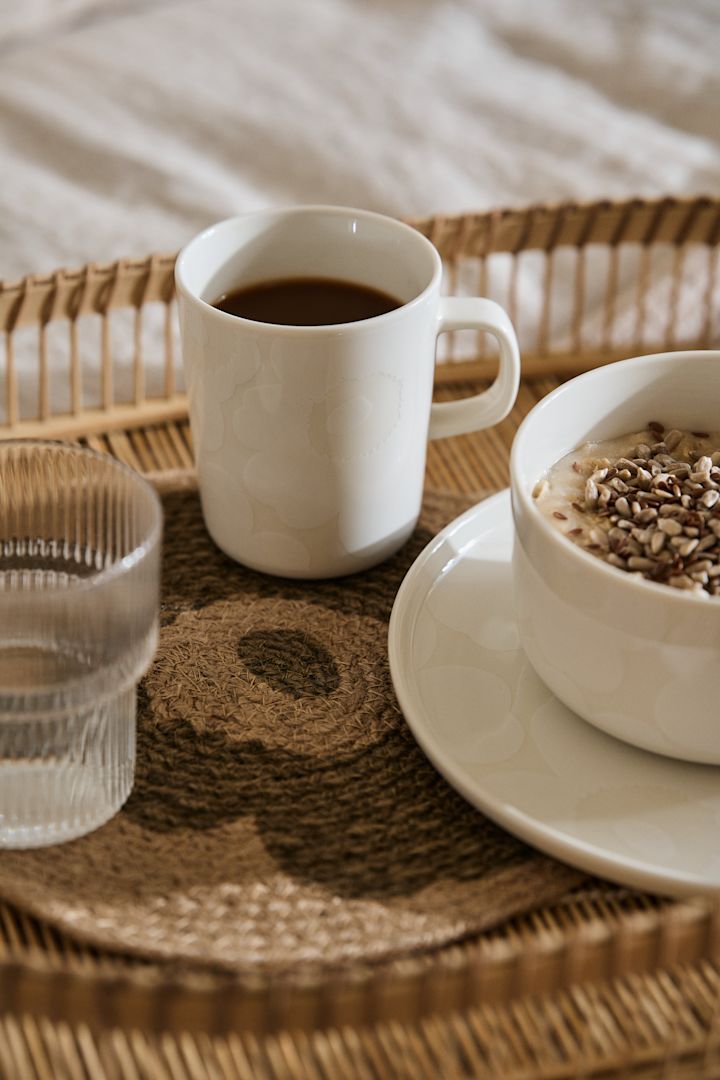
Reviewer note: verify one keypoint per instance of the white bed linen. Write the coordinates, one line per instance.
(125, 126)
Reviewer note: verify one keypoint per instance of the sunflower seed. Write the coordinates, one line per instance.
(672, 438)
(657, 542)
(700, 566)
(681, 581)
(599, 537)
(645, 516)
(591, 492)
(640, 562)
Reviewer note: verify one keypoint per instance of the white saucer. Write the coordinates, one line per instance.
(495, 731)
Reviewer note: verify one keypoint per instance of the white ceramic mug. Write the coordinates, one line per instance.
(310, 441)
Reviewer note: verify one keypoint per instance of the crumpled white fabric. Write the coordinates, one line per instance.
(127, 125)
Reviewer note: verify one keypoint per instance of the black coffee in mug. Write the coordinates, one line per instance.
(307, 301)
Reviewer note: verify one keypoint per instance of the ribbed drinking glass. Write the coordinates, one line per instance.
(79, 584)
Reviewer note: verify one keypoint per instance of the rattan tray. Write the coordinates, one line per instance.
(603, 983)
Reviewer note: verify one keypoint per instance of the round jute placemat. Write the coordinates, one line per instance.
(283, 817)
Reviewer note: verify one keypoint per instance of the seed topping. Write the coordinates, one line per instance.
(653, 515)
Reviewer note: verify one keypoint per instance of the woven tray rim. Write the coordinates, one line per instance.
(696, 220)
(102, 288)
(490, 970)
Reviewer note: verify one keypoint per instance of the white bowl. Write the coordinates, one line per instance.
(637, 659)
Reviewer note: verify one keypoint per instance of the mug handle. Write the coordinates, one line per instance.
(481, 410)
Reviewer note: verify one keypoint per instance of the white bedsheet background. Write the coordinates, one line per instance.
(127, 125)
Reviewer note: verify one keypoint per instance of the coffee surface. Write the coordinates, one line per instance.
(308, 301)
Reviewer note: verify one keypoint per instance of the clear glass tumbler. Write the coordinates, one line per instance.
(79, 586)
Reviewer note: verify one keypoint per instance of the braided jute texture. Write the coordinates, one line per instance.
(283, 818)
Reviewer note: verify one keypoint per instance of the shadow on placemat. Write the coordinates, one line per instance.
(282, 814)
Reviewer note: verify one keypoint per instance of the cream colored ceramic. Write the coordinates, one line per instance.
(505, 742)
(637, 659)
(311, 441)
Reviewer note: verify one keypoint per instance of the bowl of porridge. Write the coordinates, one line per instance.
(615, 482)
